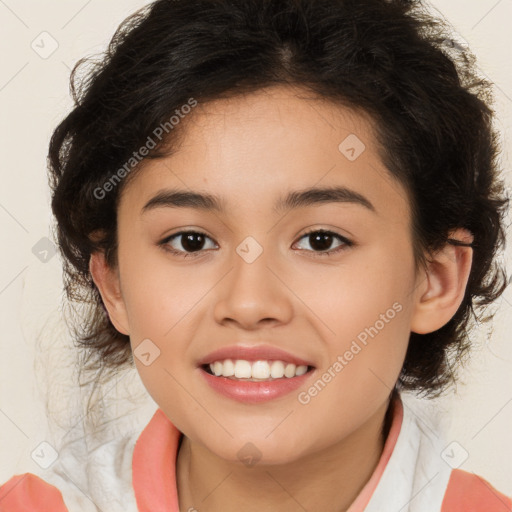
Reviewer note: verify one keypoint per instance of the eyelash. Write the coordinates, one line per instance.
(346, 243)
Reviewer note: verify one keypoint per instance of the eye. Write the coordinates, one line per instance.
(321, 239)
(194, 242)
(191, 243)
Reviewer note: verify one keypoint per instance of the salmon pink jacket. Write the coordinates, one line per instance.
(417, 472)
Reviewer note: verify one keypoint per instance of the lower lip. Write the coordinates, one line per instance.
(254, 392)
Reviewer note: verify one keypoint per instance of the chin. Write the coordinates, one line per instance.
(257, 450)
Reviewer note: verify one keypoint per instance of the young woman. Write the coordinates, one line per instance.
(285, 213)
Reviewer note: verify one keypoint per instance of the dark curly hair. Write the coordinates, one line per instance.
(391, 59)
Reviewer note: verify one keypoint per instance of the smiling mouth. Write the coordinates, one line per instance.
(255, 371)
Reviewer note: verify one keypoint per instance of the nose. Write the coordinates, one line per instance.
(254, 294)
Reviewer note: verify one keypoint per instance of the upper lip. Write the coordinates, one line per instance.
(253, 353)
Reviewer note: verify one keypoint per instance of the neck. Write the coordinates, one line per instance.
(329, 480)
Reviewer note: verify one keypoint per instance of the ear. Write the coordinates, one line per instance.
(108, 283)
(443, 285)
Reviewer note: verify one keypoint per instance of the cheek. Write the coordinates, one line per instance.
(355, 295)
(159, 294)
(365, 315)
(363, 362)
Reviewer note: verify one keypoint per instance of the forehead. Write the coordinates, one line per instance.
(249, 150)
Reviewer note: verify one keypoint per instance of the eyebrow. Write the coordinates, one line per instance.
(175, 198)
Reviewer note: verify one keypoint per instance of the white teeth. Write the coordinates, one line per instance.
(228, 368)
(260, 370)
(301, 370)
(289, 370)
(257, 370)
(242, 369)
(217, 368)
(277, 369)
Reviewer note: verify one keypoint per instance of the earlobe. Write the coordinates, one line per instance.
(443, 284)
(107, 281)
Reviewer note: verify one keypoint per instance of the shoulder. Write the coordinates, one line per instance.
(467, 492)
(30, 493)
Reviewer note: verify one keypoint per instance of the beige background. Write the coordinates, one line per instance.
(34, 97)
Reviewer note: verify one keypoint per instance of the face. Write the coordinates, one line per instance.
(252, 274)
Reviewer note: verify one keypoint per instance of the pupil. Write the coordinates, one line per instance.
(189, 243)
(322, 237)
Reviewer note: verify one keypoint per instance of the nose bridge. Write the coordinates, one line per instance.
(253, 292)
(252, 275)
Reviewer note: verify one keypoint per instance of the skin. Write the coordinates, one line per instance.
(251, 150)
